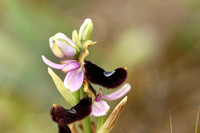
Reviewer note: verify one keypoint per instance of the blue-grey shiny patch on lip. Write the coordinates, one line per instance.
(107, 74)
(72, 110)
(63, 116)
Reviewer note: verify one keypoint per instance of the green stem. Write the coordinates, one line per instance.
(86, 121)
(82, 93)
(86, 125)
(100, 122)
(77, 95)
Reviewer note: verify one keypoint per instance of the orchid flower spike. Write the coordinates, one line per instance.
(81, 72)
(100, 107)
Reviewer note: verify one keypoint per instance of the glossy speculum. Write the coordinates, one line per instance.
(64, 116)
(99, 76)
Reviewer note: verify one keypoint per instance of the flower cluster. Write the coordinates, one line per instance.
(80, 74)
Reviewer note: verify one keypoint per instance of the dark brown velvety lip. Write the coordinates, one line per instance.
(97, 75)
(63, 116)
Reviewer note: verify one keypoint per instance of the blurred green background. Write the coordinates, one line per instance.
(158, 41)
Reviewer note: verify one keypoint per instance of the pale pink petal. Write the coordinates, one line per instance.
(67, 61)
(51, 64)
(67, 45)
(74, 79)
(71, 66)
(63, 36)
(118, 94)
(100, 108)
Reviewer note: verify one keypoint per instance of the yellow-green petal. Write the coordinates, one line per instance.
(68, 96)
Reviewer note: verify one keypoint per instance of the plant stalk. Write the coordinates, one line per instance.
(86, 125)
(86, 121)
(100, 122)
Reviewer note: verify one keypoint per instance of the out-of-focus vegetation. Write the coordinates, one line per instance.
(158, 41)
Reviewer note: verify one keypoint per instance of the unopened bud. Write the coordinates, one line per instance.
(62, 46)
(86, 29)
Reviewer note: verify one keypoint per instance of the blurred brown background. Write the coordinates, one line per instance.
(158, 41)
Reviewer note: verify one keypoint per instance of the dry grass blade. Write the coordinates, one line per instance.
(112, 119)
(170, 121)
(197, 121)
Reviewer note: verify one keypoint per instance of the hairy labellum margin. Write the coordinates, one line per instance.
(99, 76)
(64, 116)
